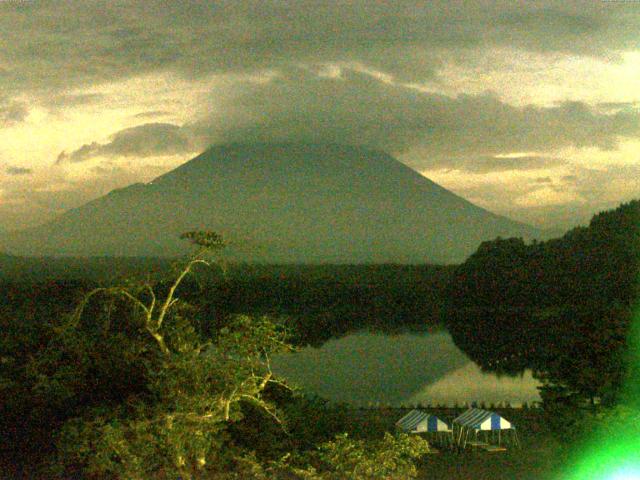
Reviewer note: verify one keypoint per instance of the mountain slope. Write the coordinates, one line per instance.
(279, 203)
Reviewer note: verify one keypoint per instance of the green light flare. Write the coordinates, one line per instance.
(613, 458)
(613, 452)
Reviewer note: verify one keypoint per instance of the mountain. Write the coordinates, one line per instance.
(309, 203)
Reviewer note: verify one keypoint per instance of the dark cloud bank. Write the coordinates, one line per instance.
(52, 48)
(466, 132)
(60, 45)
(144, 140)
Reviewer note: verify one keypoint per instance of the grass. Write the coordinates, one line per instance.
(533, 462)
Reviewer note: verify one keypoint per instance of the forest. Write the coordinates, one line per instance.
(562, 307)
(164, 372)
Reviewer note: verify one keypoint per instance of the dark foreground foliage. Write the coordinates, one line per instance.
(136, 383)
(169, 376)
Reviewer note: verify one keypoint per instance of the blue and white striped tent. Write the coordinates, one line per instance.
(476, 420)
(421, 422)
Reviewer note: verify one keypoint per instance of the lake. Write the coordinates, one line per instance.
(408, 369)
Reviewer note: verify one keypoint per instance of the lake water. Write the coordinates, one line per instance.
(408, 369)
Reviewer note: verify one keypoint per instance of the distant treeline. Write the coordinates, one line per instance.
(320, 302)
(15, 269)
(562, 307)
(316, 301)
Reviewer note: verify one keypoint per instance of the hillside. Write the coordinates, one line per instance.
(563, 307)
(279, 203)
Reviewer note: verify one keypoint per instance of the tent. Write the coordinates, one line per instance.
(475, 424)
(417, 421)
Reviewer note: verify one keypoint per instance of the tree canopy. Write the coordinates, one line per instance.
(561, 307)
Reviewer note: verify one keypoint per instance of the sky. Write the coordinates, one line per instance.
(530, 109)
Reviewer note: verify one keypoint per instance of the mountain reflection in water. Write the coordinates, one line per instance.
(368, 368)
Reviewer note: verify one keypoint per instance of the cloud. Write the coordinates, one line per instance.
(49, 191)
(347, 72)
(12, 112)
(545, 196)
(152, 114)
(353, 105)
(18, 171)
(617, 106)
(85, 152)
(543, 180)
(107, 169)
(66, 100)
(560, 201)
(431, 130)
(45, 47)
(488, 164)
(609, 185)
(149, 139)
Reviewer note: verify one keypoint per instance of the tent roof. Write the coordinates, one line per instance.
(417, 421)
(478, 419)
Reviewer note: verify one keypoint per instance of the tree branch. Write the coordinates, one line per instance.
(169, 301)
